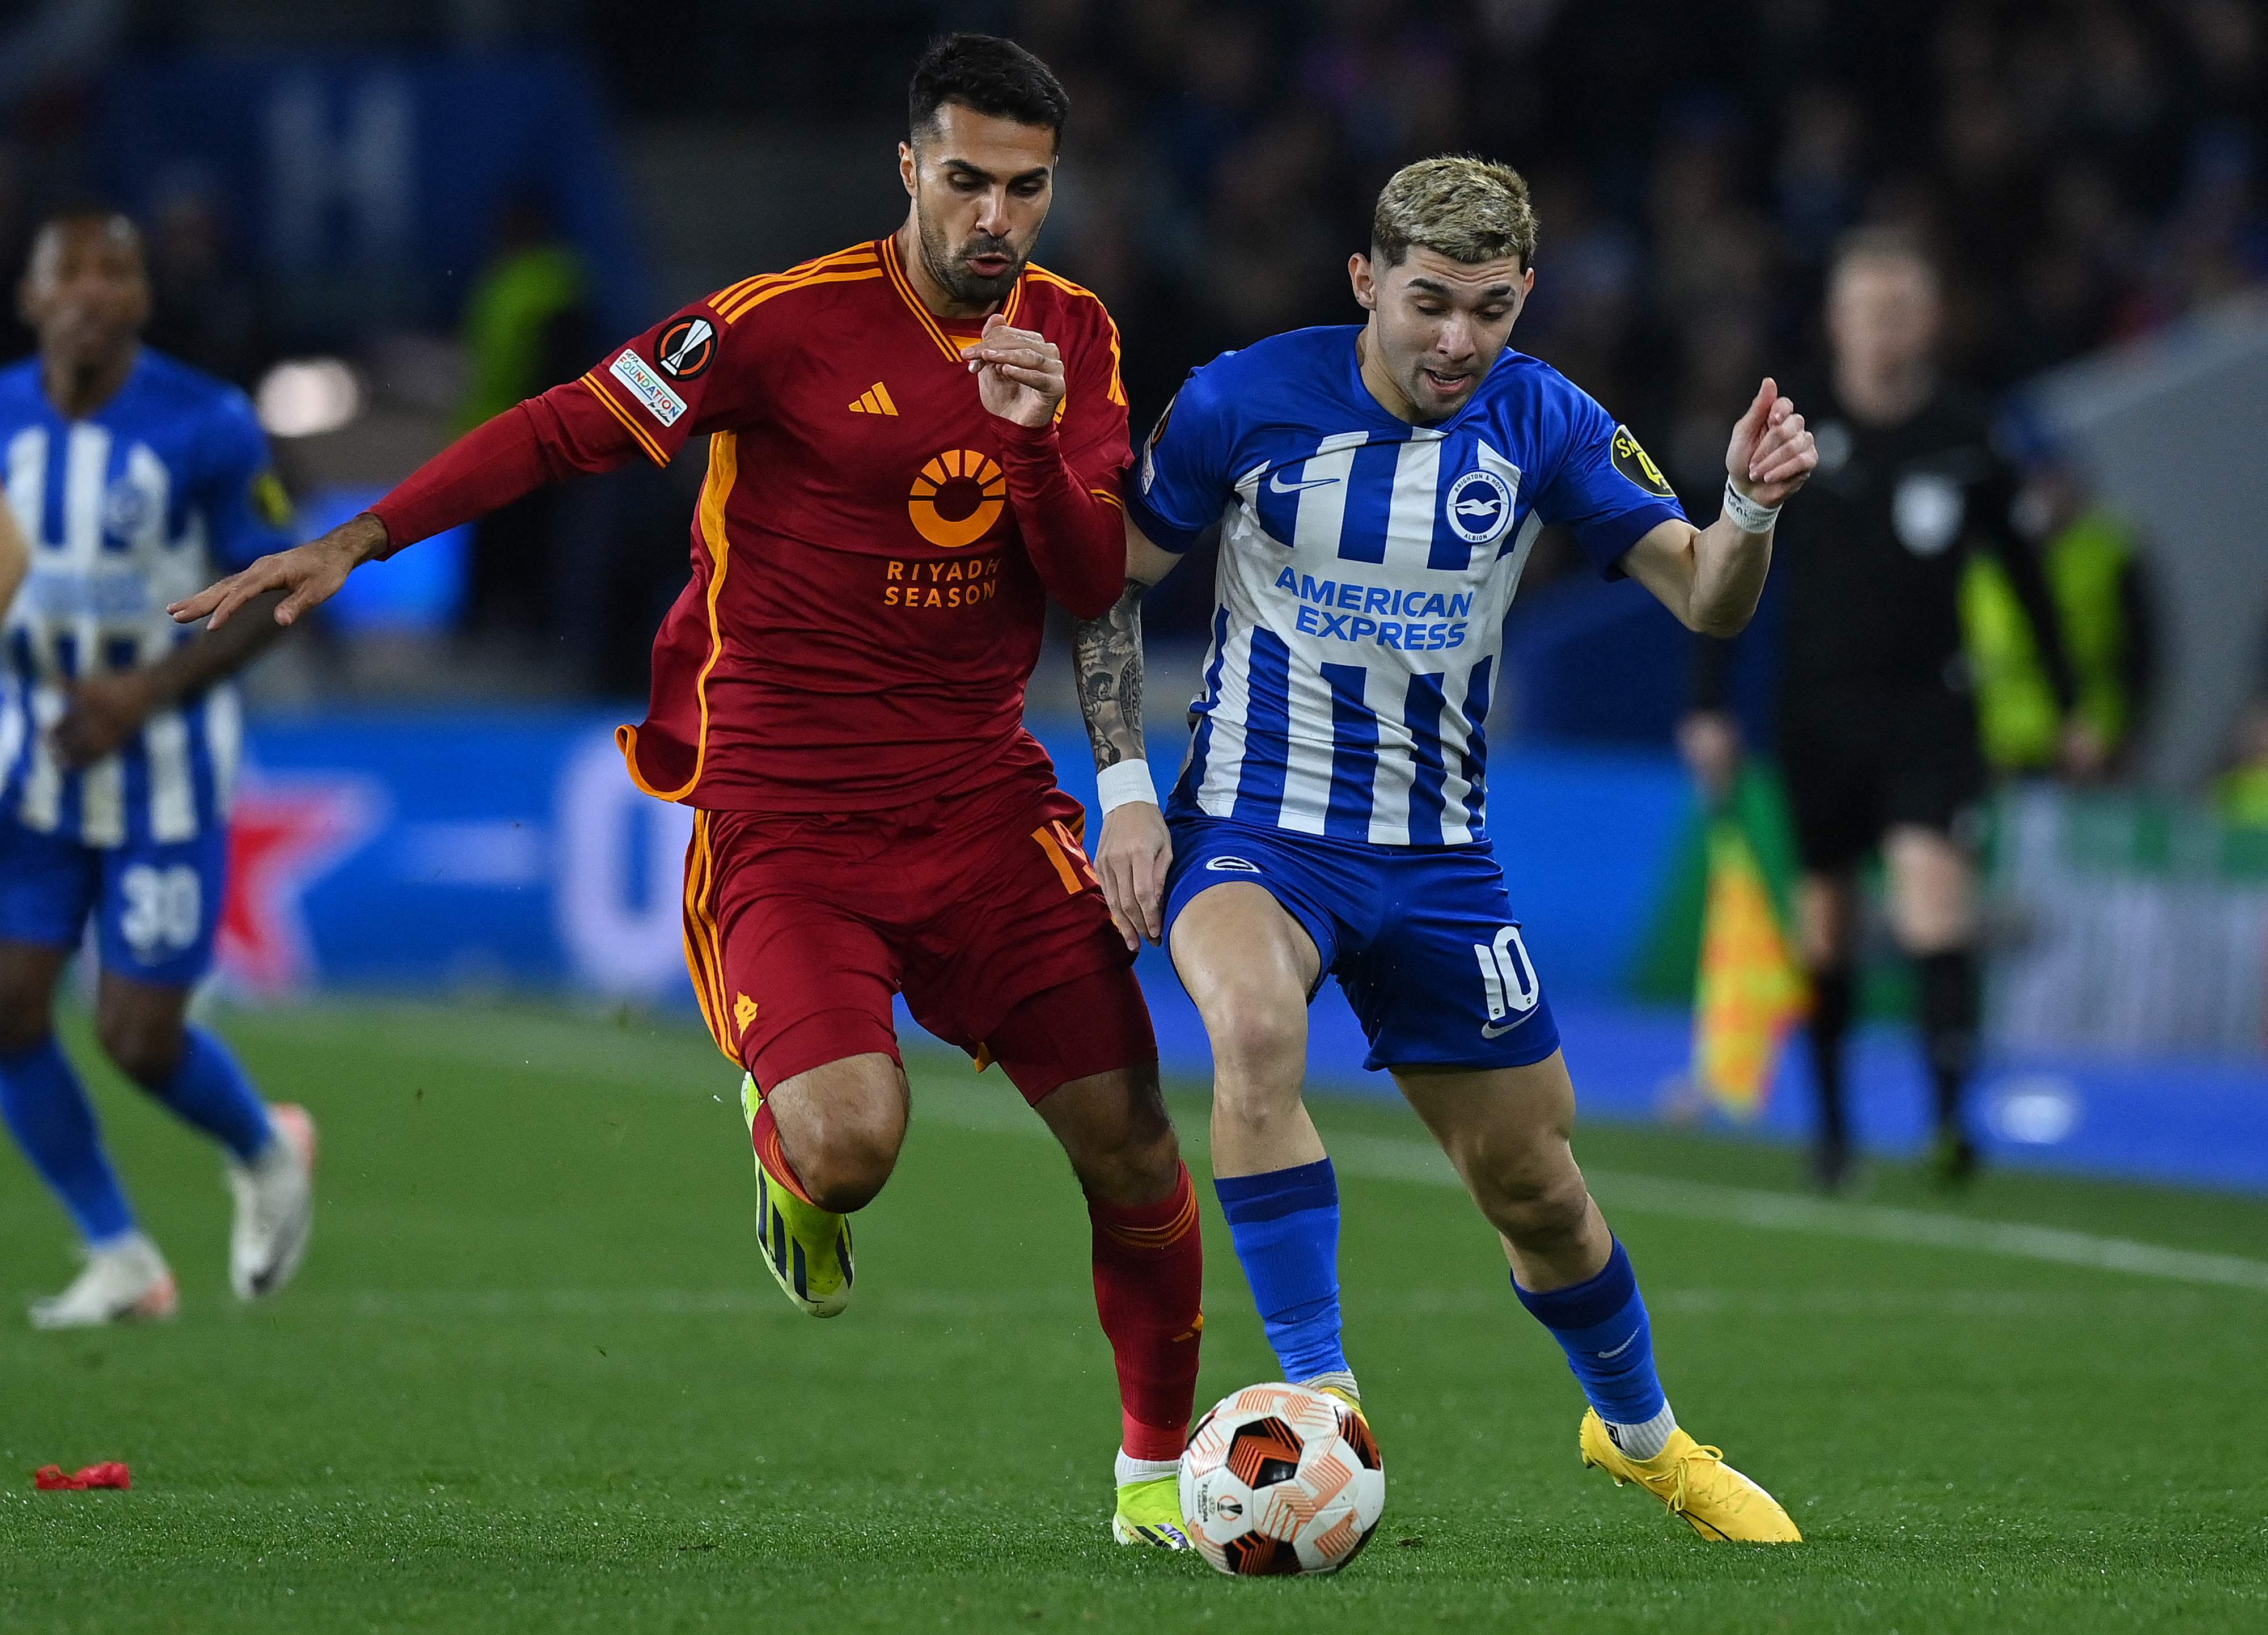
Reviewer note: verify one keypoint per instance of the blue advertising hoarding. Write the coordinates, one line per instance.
(507, 851)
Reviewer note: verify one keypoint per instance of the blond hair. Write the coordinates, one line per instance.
(1464, 207)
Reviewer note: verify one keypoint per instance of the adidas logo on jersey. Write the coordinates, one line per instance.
(875, 400)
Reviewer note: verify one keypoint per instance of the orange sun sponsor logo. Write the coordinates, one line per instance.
(957, 497)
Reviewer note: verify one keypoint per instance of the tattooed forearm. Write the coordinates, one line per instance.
(1106, 657)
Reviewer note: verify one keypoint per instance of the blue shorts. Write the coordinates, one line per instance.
(158, 905)
(1421, 938)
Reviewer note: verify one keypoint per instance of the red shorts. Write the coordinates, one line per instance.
(983, 910)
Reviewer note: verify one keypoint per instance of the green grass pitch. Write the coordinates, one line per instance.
(533, 1378)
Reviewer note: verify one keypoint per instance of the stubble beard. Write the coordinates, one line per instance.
(954, 276)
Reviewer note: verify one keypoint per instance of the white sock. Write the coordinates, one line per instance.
(1337, 1379)
(1643, 1441)
(1133, 1469)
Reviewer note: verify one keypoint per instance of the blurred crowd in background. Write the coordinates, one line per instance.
(2089, 170)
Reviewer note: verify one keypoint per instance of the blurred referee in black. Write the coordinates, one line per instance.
(1877, 726)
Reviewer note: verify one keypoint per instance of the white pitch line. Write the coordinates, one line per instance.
(754, 1301)
(1784, 1211)
(891, 1303)
(1382, 1158)
(568, 1050)
(1386, 1158)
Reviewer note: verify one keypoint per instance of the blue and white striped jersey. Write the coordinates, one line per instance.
(137, 506)
(1366, 566)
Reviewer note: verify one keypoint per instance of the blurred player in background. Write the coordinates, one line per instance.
(133, 476)
(1378, 490)
(1878, 734)
(912, 444)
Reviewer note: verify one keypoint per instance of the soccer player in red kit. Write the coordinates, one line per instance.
(912, 444)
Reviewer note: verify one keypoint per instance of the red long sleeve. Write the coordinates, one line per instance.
(1074, 532)
(541, 440)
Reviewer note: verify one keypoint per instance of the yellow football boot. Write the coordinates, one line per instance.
(1700, 1489)
(1341, 1386)
(807, 1248)
(1150, 1513)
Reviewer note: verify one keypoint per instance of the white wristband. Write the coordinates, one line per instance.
(1123, 784)
(1747, 515)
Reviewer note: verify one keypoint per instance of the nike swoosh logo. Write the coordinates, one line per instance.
(1618, 1351)
(1497, 1030)
(1276, 485)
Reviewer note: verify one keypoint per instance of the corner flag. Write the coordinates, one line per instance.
(1749, 991)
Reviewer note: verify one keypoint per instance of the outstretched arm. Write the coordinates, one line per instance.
(1106, 657)
(691, 373)
(544, 439)
(1710, 578)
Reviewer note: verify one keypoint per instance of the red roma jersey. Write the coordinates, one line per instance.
(864, 613)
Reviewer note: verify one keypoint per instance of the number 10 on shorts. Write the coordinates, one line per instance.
(1507, 976)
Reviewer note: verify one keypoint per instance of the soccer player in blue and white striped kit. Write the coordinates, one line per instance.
(1378, 489)
(131, 477)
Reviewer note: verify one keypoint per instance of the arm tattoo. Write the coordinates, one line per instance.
(1106, 657)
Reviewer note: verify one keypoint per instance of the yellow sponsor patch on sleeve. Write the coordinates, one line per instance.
(1636, 464)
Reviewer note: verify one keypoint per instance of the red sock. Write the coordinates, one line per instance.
(1149, 1286)
(769, 1154)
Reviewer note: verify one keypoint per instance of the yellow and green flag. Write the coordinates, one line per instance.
(1750, 992)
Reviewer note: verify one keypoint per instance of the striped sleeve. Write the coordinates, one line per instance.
(697, 369)
(657, 386)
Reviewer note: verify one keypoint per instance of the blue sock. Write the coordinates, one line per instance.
(1600, 1324)
(1285, 1226)
(46, 1108)
(211, 1091)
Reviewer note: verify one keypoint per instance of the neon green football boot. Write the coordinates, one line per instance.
(1150, 1513)
(807, 1248)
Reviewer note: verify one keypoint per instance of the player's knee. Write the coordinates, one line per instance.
(849, 1162)
(146, 1047)
(839, 1128)
(1139, 1167)
(1258, 1040)
(1154, 1167)
(847, 1174)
